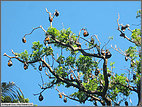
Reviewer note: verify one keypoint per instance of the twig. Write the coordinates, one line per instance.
(50, 16)
(48, 60)
(73, 73)
(117, 50)
(130, 30)
(85, 39)
(52, 62)
(89, 48)
(125, 35)
(32, 31)
(121, 53)
(42, 28)
(46, 88)
(98, 99)
(106, 43)
(61, 51)
(97, 39)
(49, 74)
(16, 57)
(67, 96)
(46, 10)
(9, 56)
(136, 24)
(77, 72)
(77, 40)
(54, 58)
(118, 22)
(41, 78)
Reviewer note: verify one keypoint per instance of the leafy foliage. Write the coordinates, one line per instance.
(139, 12)
(11, 93)
(85, 63)
(84, 69)
(136, 36)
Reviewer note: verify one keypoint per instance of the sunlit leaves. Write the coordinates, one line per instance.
(36, 45)
(53, 31)
(70, 61)
(61, 71)
(136, 36)
(84, 63)
(24, 55)
(92, 85)
(132, 52)
(118, 84)
(112, 63)
(65, 36)
(60, 59)
(80, 95)
(38, 52)
(111, 37)
(139, 12)
(12, 94)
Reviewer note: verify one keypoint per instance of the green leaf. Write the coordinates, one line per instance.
(112, 63)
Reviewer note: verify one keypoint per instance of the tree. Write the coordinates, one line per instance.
(11, 93)
(80, 69)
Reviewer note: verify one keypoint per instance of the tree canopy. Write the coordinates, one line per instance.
(11, 93)
(80, 68)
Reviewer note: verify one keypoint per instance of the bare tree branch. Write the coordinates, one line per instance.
(97, 39)
(67, 96)
(137, 43)
(35, 29)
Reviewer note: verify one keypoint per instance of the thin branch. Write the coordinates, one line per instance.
(125, 35)
(73, 73)
(50, 17)
(89, 48)
(9, 56)
(76, 48)
(77, 40)
(41, 78)
(130, 30)
(46, 87)
(106, 43)
(98, 99)
(68, 82)
(67, 96)
(47, 10)
(42, 28)
(121, 52)
(16, 57)
(118, 23)
(52, 62)
(32, 31)
(54, 58)
(85, 39)
(77, 73)
(97, 39)
(117, 50)
(136, 24)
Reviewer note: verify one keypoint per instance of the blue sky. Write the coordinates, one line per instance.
(18, 18)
